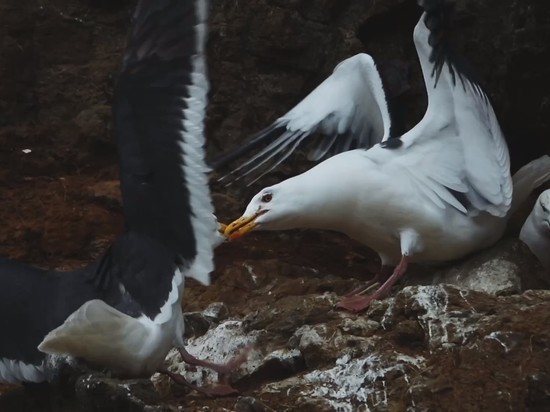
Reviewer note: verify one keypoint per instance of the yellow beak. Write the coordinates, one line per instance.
(241, 226)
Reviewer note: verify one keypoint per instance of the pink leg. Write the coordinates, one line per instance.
(382, 276)
(221, 389)
(359, 303)
(222, 369)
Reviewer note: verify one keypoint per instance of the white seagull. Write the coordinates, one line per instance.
(535, 233)
(437, 193)
(124, 312)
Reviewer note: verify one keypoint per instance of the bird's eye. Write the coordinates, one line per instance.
(266, 197)
(544, 208)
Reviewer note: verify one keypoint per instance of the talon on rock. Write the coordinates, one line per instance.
(220, 368)
(217, 390)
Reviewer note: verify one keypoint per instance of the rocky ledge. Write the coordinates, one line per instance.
(471, 336)
(428, 347)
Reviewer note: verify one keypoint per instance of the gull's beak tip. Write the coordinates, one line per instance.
(239, 227)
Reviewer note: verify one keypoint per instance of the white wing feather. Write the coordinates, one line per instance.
(350, 100)
(459, 111)
(348, 108)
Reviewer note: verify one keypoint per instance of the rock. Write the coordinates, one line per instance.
(249, 404)
(218, 345)
(313, 343)
(506, 268)
(497, 276)
(198, 323)
(279, 364)
(454, 324)
(430, 347)
(217, 311)
(97, 393)
(359, 382)
(424, 348)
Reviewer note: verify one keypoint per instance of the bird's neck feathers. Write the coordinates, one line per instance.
(312, 204)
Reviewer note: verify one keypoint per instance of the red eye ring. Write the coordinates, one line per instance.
(266, 198)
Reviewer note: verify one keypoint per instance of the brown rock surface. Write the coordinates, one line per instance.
(427, 348)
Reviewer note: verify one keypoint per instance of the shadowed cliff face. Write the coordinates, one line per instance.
(60, 206)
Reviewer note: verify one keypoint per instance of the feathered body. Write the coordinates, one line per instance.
(437, 193)
(535, 233)
(123, 312)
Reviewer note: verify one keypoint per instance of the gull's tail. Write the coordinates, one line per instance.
(528, 178)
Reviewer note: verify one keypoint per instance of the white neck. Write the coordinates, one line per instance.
(321, 196)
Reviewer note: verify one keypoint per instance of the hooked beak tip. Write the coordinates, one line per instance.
(242, 226)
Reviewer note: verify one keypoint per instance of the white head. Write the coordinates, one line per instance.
(316, 199)
(278, 207)
(542, 211)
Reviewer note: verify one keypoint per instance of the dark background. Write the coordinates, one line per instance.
(59, 59)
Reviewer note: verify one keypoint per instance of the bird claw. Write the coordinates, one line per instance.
(235, 362)
(361, 290)
(223, 369)
(217, 390)
(355, 303)
(220, 368)
(381, 277)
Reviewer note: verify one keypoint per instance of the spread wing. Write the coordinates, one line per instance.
(159, 111)
(346, 111)
(474, 160)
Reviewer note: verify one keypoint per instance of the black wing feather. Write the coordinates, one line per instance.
(438, 20)
(149, 115)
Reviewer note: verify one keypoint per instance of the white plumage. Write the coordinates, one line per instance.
(339, 105)
(103, 335)
(437, 193)
(535, 233)
(123, 312)
(337, 108)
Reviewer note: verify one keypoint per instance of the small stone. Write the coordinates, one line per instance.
(217, 311)
(97, 393)
(250, 404)
(196, 324)
(360, 326)
(409, 333)
(506, 268)
(316, 343)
